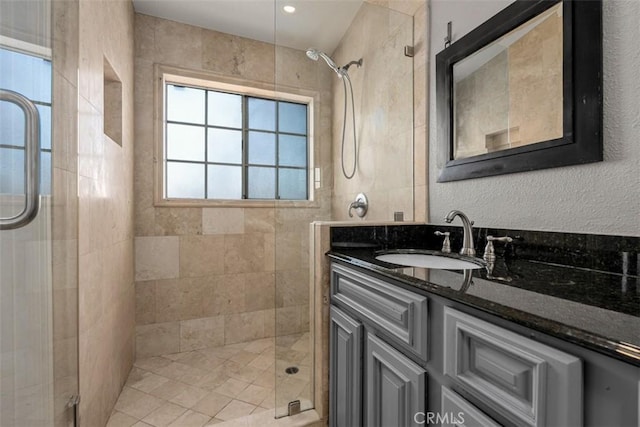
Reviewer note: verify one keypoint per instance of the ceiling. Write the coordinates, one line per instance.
(315, 23)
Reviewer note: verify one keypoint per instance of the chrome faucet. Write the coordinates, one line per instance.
(467, 241)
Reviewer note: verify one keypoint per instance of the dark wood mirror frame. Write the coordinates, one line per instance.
(582, 92)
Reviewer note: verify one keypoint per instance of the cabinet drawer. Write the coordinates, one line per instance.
(460, 412)
(525, 381)
(400, 313)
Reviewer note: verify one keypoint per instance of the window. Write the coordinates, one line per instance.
(232, 145)
(29, 75)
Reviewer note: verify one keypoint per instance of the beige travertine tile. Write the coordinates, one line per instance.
(263, 361)
(259, 220)
(201, 255)
(265, 379)
(164, 415)
(189, 396)
(243, 327)
(226, 352)
(201, 361)
(168, 298)
(221, 52)
(235, 409)
(178, 221)
(244, 357)
(157, 338)
(223, 220)
(157, 257)
(214, 379)
(145, 302)
(146, 381)
(197, 293)
(292, 287)
(120, 419)
(201, 333)
(174, 370)
(177, 44)
(136, 404)
(259, 58)
(212, 403)
(232, 387)
(152, 363)
(225, 295)
(191, 419)
(244, 253)
(254, 394)
(169, 390)
(242, 372)
(288, 320)
(260, 346)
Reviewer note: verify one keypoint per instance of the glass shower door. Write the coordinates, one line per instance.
(27, 340)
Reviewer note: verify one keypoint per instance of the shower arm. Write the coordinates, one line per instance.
(346, 67)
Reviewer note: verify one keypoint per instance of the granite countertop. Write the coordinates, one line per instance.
(596, 309)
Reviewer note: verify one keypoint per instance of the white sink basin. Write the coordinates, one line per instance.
(430, 261)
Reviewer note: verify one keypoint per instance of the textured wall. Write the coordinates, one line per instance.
(105, 230)
(595, 198)
(209, 276)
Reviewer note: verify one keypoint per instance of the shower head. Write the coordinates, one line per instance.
(315, 54)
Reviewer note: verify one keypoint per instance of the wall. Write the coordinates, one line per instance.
(595, 198)
(208, 276)
(105, 189)
(383, 98)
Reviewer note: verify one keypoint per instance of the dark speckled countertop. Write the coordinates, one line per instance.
(580, 288)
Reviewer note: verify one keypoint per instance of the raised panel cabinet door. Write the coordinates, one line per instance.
(345, 371)
(396, 387)
(400, 314)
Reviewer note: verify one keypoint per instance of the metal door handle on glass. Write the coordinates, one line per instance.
(31, 160)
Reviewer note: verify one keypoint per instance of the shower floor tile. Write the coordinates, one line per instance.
(215, 385)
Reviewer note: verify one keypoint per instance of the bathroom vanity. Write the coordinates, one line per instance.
(537, 342)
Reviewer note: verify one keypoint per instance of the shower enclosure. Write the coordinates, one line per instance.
(379, 119)
(38, 300)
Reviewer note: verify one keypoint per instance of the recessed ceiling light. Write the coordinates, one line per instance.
(289, 9)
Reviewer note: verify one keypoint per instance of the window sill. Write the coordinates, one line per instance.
(197, 203)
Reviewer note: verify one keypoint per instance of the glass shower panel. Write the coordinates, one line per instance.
(383, 104)
(32, 360)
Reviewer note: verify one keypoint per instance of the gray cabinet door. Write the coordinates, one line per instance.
(401, 314)
(396, 387)
(345, 373)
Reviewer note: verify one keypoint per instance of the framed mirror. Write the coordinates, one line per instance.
(522, 91)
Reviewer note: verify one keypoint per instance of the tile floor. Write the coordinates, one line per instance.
(215, 385)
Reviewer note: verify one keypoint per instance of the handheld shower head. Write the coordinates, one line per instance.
(312, 54)
(315, 54)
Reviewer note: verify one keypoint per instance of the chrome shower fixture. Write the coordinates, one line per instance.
(315, 54)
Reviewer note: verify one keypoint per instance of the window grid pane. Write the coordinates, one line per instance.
(262, 155)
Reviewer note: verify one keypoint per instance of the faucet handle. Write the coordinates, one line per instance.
(446, 244)
(489, 252)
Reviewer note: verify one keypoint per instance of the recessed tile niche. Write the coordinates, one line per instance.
(112, 110)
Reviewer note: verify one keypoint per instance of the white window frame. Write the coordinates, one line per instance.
(171, 75)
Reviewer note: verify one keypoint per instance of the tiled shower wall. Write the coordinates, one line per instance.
(105, 215)
(208, 276)
(390, 111)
